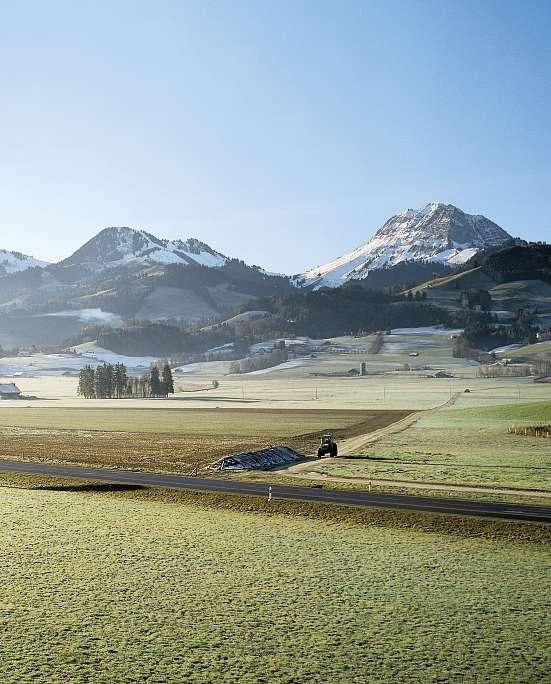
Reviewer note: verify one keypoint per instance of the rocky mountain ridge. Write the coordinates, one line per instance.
(437, 232)
(127, 247)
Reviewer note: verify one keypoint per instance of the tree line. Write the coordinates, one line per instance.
(111, 381)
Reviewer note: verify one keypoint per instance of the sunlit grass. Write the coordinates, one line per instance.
(460, 447)
(113, 588)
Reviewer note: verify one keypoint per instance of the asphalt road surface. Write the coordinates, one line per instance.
(477, 509)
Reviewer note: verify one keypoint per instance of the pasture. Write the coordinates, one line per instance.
(460, 447)
(292, 405)
(120, 587)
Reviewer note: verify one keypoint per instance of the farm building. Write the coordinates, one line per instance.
(257, 460)
(9, 391)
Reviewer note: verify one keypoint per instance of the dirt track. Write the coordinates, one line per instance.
(349, 446)
(352, 444)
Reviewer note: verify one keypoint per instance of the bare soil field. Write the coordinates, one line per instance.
(189, 438)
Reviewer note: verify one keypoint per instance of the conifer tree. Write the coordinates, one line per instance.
(156, 387)
(168, 380)
(86, 384)
(120, 380)
(103, 381)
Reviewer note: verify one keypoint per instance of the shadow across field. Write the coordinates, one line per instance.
(90, 487)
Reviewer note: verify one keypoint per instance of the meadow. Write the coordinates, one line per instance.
(120, 587)
(293, 405)
(460, 447)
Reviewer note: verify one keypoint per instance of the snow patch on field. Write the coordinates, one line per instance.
(37, 365)
(189, 368)
(506, 348)
(92, 316)
(394, 347)
(426, 330)
(102, 355)
(293, 363)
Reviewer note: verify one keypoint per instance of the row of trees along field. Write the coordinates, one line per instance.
(111, 381)
(543, 367)
(499, 371)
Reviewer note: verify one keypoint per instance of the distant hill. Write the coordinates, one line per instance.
(518, 262)
(15, 262)
(350, 309)
(130, 275)
(516, 277)
(130, 279)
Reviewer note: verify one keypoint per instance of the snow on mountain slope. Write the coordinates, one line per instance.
(114, 247)
(438, 232)
(13, 262)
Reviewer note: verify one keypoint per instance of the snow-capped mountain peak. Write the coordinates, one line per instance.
(437, 232)
(115, 247)
(14, 262)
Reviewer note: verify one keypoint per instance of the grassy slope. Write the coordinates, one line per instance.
(457, 282)
(510, 296)
(461, 446)
(530, 352)
(122, 588)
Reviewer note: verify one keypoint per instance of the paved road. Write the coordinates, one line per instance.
(326, 496)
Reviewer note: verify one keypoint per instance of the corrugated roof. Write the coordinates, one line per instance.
(257, 460)
(10, 388)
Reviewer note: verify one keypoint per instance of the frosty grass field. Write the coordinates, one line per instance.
(139, 585)
(461, 447)
(110, 587)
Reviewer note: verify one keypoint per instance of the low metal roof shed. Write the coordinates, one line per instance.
(9, 391)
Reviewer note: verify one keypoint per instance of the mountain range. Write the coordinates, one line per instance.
(127, 274)
(438, 233)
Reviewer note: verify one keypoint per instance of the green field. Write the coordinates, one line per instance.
(530, 352)
(120, 588)
(460, 447)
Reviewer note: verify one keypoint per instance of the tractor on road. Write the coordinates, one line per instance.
(328, 447)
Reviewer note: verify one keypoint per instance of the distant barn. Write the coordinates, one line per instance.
(10, 391)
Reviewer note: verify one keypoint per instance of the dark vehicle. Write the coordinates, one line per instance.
(328, 447)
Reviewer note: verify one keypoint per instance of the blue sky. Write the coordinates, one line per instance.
(281, 132)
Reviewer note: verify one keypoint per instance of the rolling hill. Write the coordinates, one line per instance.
(123, 275)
